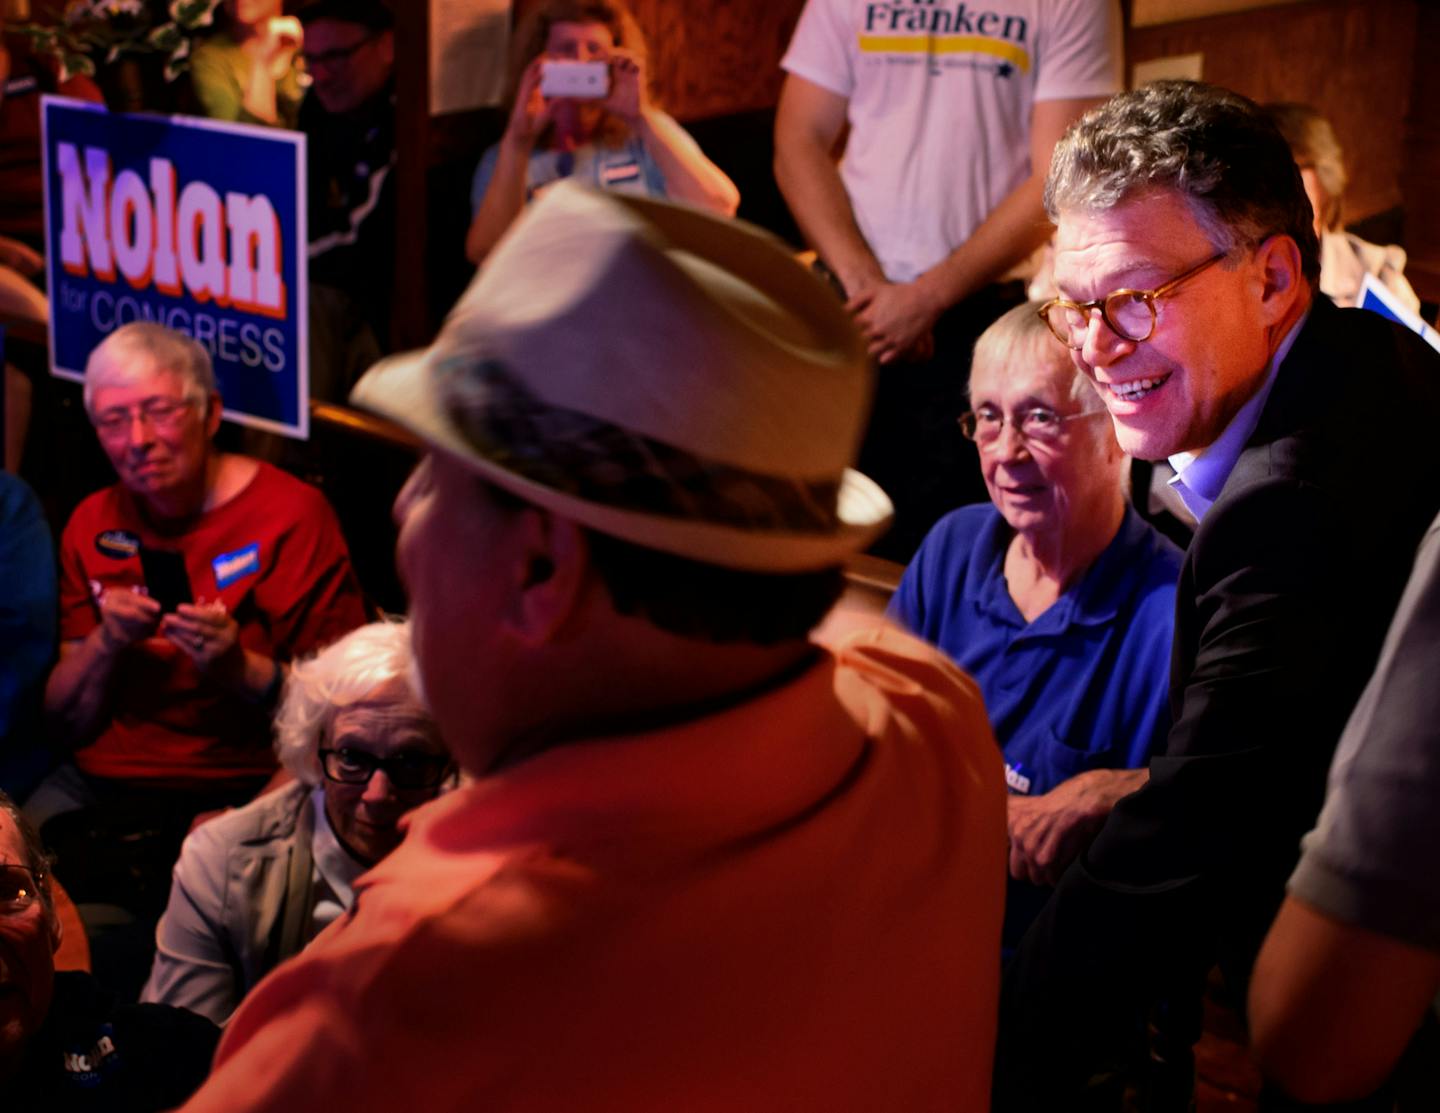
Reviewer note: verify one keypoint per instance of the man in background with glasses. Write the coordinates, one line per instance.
(348, 117)
(1187, 265)
(64, 1043)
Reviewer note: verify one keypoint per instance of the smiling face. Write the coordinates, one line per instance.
(27, 966)
(160, 459)
(386, 724)
(1045, 488)
(1176, 391)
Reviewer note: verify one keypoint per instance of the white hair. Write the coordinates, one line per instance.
(342, 673)
(137, 349)
(1019, 334)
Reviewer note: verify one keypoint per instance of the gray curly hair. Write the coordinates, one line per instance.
(342, 673)
(1216, 148)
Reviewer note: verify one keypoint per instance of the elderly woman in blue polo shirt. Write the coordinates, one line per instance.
(1058, 598)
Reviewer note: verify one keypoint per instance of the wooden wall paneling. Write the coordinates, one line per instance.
(409, 309)
(1422, 160)
(714, 57)
(1351, 59)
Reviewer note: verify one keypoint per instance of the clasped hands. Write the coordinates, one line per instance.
(1048, 832)
(204, 631)
(895, 318)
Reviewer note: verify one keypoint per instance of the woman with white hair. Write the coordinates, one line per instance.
(1057, 597)
(254, 885)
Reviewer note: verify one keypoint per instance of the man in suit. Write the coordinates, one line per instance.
(1187, 266)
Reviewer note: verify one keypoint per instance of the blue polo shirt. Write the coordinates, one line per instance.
(1084, 686)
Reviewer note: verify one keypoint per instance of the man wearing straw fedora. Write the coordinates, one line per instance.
(701, 862)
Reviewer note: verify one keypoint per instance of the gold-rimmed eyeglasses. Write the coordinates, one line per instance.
(1129, 314)
(1037, 424)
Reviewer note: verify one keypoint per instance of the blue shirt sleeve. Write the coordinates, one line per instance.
(906, 605)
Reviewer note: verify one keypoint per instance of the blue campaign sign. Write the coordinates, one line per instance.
(196, 224)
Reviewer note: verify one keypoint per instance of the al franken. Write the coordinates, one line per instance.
(928, 16)
(176, 245)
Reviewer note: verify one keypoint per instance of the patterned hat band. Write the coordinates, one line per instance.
(590, 459)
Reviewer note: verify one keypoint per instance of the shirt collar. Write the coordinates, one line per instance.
(1199, 476)
(1096, 599)
(332, 861)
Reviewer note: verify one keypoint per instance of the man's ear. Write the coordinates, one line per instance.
(551, 575)
(1282, 276)
(213, 408)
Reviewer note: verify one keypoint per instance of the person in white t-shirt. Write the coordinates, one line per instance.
(952, 110)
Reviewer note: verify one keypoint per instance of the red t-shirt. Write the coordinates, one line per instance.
(275, 556)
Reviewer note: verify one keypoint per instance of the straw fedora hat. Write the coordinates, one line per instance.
(656, 373)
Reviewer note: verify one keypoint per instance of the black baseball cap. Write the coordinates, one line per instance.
(366, 13)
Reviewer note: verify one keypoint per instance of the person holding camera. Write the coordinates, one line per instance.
(581, 109)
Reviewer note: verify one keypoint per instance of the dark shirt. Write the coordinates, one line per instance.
(92, 1054)
(1284, 599)
(351, 213)
(27, 632)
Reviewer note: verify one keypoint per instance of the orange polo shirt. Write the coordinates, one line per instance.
(793, 904)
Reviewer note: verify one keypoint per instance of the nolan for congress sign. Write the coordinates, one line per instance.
(194, 224)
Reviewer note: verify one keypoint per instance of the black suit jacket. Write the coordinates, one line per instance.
(1285, 595)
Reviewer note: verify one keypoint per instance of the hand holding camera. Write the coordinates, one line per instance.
(530, 115)
(561, 77)
(627, 98)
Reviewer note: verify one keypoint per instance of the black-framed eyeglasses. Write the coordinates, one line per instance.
(338, 56)
(19, 888)
(1035, 424)
(1129, 314)
(407, 769)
